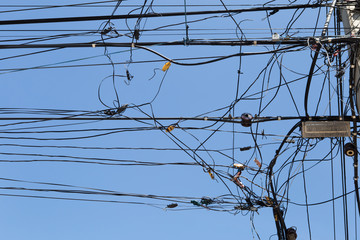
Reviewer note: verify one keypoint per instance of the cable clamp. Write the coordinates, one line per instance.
(356, 178)
(93, 45)
(186, 41)
(133, 45)
(355, 165)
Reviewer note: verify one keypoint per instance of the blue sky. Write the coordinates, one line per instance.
(46, 151)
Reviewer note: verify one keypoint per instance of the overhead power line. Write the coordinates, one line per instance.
(283, 41)
(214, 119)
(152, 15)
(174, 43)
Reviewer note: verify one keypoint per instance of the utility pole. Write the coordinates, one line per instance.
(350, 14)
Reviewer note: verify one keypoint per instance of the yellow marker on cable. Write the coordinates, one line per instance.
(166, 66)
(170, 128)
(211, 174)
(268, 200)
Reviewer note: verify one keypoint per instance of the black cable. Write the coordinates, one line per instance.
(322, 202)
(149, 15)
(308, 83)
(292, 43)
(305, 192)
(276, 207)
(46, 7)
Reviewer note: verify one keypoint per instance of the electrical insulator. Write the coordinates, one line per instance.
(291, 234)
(246, 119)
(239, 165)
(275, 36)
(349, 149)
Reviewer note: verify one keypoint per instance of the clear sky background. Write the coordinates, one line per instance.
(101, 179)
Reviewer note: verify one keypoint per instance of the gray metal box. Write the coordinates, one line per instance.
(319, 129)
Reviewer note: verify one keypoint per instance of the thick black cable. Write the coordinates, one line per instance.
(149, 15)
(276, 207)
(308, 83)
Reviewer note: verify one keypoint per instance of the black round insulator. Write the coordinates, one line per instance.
(350, 149)
(291, 234)
(246, 119)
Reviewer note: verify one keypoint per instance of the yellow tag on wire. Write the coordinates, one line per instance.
(166, 66)
(170, 128)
